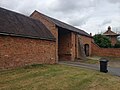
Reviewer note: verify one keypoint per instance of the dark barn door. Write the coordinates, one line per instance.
(86, 48)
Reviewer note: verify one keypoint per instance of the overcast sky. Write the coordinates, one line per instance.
(90, 15)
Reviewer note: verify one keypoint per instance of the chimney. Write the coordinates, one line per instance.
(90, 34)
(109, 28)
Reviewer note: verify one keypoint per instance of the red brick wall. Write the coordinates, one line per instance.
(78, 52)
(17, 52)
(64, 46)
(73, 46)
(106, 52)
(86, 40)
(72, 39)
(67, 47)
(76, 46)
(50, 25)
(113, 40)
(69, 50)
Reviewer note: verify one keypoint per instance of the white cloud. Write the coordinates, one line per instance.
(91, 15)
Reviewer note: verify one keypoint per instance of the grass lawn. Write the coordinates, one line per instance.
(56, 77)
(90, 61)
(113, 62)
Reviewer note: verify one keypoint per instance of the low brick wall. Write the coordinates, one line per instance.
(17, 52)
(106, 52)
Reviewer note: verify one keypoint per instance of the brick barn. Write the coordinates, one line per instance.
(39, 39)
(24, 41)
(71, 43)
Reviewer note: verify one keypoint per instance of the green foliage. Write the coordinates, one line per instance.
(102, 41)
(117, 45)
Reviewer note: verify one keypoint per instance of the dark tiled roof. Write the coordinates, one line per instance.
(64, 25)
(110, 33)
(15, 24)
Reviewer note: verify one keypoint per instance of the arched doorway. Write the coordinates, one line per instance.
(86, 49)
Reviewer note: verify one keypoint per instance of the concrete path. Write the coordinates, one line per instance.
(111, 70)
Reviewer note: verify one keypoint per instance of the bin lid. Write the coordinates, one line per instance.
(103, 60)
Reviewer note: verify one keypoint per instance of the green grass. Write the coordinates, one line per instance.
(90, 61)
(113, 62)
(113, 59)
(56, 77)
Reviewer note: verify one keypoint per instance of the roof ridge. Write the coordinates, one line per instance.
(109, 32)
(60, 23)
(19, 14)
(57, 20)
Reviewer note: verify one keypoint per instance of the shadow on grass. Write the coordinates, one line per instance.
(34, 66)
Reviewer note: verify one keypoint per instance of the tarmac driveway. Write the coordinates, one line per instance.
(112, 70)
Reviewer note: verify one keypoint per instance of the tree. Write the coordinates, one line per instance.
(102, 41)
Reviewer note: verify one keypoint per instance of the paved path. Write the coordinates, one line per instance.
(111, 70)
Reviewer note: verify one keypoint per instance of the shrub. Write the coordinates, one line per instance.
(102, 41)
